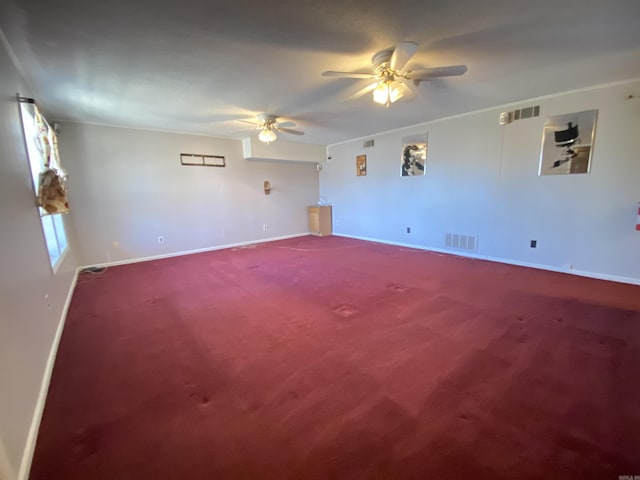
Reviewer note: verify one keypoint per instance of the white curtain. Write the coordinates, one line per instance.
(50, 190)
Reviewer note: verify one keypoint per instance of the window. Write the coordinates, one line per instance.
(42, 145)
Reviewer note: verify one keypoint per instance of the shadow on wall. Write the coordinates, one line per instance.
(4, 463)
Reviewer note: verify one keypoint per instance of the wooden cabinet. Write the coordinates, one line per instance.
(320, 220)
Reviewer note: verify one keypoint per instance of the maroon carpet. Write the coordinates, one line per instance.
(327, 358)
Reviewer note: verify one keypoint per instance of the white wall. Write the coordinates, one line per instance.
(253, 148)
(482, 179)
(31, 297)
(127, 187)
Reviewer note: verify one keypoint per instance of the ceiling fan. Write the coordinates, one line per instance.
(268, 126)
(390, 75)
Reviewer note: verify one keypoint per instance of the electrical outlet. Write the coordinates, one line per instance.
(408, 229)
(534, 243)
(265, 227)
(161, 239)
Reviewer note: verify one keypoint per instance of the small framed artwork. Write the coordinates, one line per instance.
(567, 142)
(414, 155)
(361, 165)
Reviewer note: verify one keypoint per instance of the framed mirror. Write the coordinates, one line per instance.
(567, 143)
(414, 155)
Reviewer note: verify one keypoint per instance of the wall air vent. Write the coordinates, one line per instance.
(461, 242)
(520, 114)
(368, 143)
(198, 160)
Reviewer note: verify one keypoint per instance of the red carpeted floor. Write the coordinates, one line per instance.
(333, 358)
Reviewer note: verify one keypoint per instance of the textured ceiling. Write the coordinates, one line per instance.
(200, 65)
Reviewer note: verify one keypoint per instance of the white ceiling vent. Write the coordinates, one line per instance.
(368, 143)
(520, 114)
(461, 242)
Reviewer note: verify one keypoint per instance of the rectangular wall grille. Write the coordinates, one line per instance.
(198, 160)
(461, 242)
(520, 114)
(368, 143)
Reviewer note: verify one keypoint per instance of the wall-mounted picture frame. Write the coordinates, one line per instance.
(414, 155)
(567, 143)
(361, 165)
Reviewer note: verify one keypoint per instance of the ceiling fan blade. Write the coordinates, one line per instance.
(248, 122)
(362, 91)
(436, 72)
(331, 73)
(246, 130)
(407, 92)
(401, 55)
(285, 124)
(289, 131)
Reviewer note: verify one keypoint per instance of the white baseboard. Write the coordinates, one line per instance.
(386, 242)
(190, 252)
(32, 437)
(551, 268)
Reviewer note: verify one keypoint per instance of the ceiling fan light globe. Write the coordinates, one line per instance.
(387, 92)
(381, 93)
(395, 92)
(267, 135)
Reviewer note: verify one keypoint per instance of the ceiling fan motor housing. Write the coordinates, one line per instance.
(265, 119)
(381, 61)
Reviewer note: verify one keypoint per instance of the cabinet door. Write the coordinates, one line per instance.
(320, 220)
(325, 227)
(314, 220)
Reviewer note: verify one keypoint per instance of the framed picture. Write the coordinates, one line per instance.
(414, 155)
(567, 142)
(361, 165)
